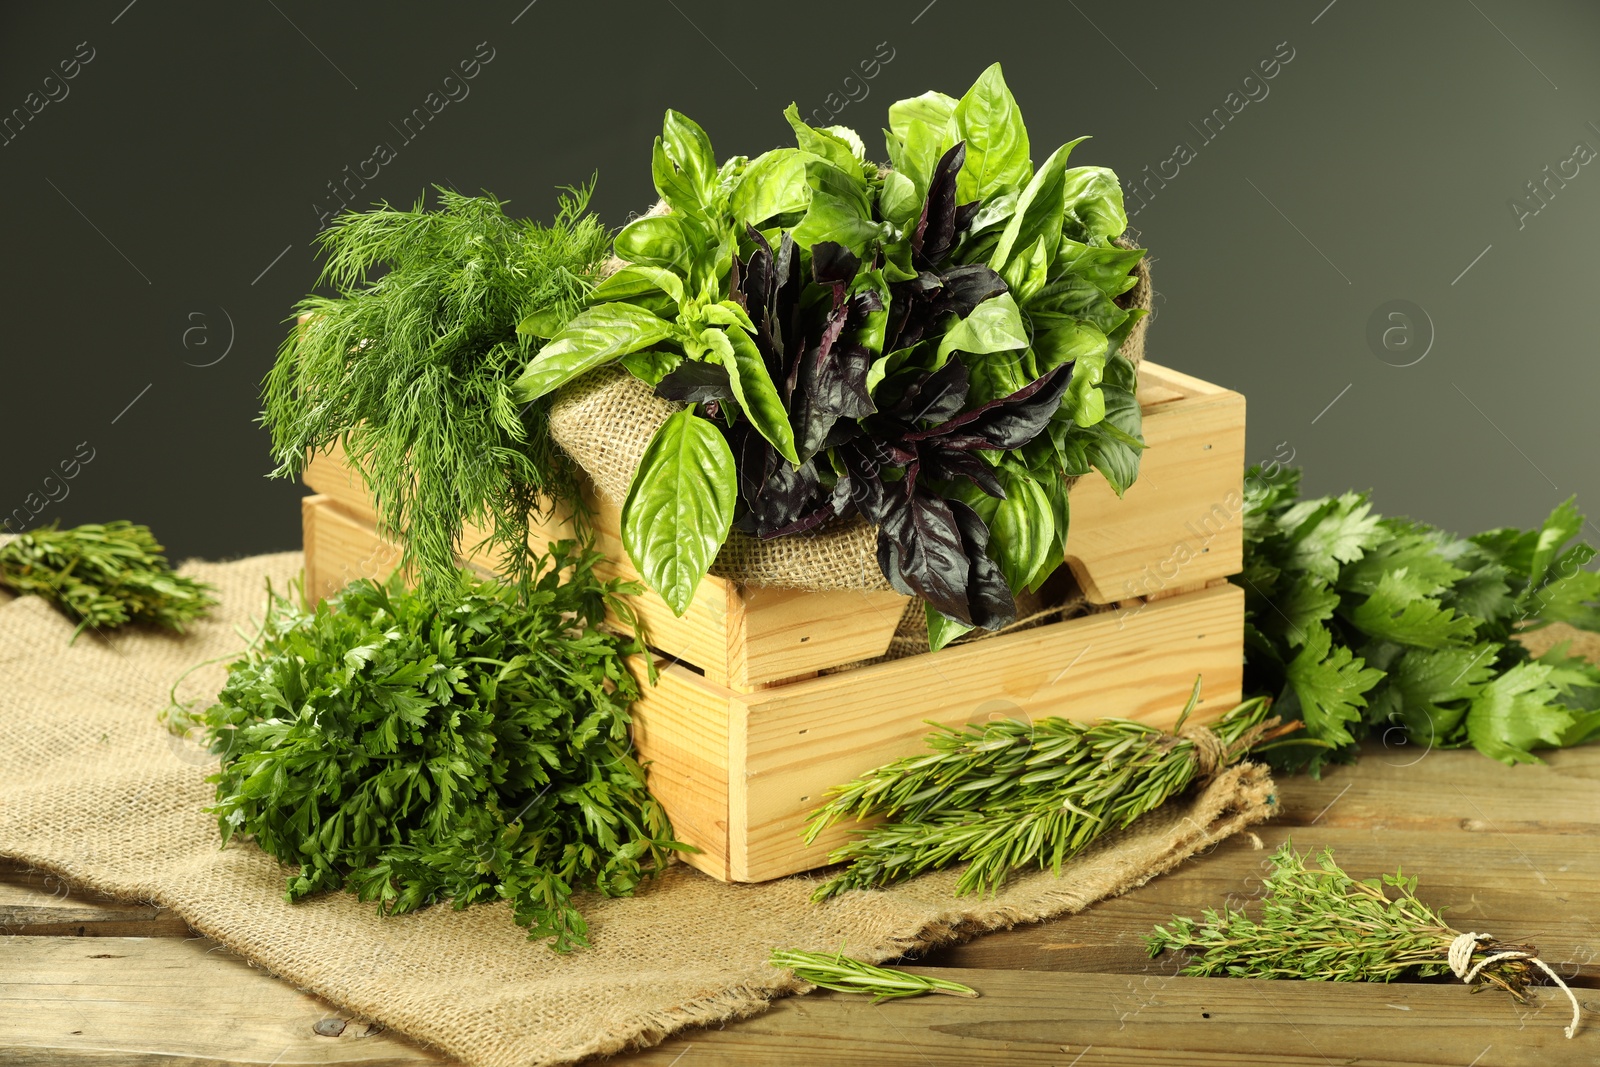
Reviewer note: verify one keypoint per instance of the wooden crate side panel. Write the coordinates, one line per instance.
(800, 739)
(1181, 522)
(328, 474)
(339, 548)
(782, 633)
(680, 727)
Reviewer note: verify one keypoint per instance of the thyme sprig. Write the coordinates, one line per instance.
(845, 974)
(1320, 925)
(1013, 793)
(103, 575)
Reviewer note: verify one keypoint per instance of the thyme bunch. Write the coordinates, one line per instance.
(1320, 925)
(1013, 793)
(410, 367)
(845, 974)
(103, 575)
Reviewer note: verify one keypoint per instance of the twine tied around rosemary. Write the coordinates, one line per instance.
(1460, 956)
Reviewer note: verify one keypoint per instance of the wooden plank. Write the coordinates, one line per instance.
(802, 738)
(340, 548)
(1181, 523)
(680, 729)
(39, 904)
(1145, 1020)
(783, 633)
(165, 1002)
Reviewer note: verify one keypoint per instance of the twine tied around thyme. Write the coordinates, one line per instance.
(1460, 956)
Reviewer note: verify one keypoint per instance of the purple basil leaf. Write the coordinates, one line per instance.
(936, 230)
(863, 473)
(922, 552)
(948, 465)
(696, 382)
(988, 595)
(788, 494)
(926, 397)
(966, 287)
(833, 264)
(1009, 422)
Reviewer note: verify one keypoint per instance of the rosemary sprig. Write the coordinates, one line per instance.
(1013, 793)
(1320, 925)
(845, 974)
(103, 575)
(410, 366)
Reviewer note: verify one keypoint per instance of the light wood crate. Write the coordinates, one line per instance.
(743, 737)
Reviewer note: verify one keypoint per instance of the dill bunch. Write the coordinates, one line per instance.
(1318, 924)
(103, 575)
(1014, 793)
(410, 366)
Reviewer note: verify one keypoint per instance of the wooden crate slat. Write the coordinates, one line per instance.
(799, 739)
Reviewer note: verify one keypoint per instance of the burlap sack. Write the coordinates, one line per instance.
(94, 789)
(606, 419)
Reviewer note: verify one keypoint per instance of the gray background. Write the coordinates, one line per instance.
(159, 218)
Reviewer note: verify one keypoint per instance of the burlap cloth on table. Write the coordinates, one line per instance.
(93, 788)
(605, 420)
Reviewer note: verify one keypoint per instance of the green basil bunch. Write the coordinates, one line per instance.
(931, 345)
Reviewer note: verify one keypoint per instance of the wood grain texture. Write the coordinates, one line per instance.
(797, 740)
(179, 1003)
(680, 729)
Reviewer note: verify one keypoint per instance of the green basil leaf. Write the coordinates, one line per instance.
(636, 280)
(898, 201)
(753, 388)
(1062, 344)
(1066, 299)
(1108, 268)
(1028, 271)
(727, 313)
(688, 147)
(652, 365)
(1055, 490)
(830, 218)
(931, 108)
(773, 184)
(1039, 211)
(1094, 203)
(679, 507)
(994, 326)
(595, 336)
(822, 143)
(546, 322)
(658, 240)
(676, 187)
(1022, 534)
(942, 629)
(988, 119)
(996, 374)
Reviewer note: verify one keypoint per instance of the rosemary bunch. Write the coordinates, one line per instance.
(410, 366)
(1320, 925)
(103, 575)
(1012, 793)
(844, 974)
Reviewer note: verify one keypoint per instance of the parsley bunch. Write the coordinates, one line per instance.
(103, 575)
(1361, 624)
(464, 745)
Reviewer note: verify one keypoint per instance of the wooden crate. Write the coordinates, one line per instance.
(744, 737)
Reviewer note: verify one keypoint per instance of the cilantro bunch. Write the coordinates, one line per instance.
(1361, 625)
(416, 747)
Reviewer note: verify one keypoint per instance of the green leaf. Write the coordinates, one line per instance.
(822, 143)
(633, 281)
(898, 201)
(933, 109)
(1308, 603)
(1560, 527)
(1326, 533)
(1084, 399)
(773, 184)
(1063, 344)
(1395, 613)
(1414, 556)
(753, 387)
(1517, 712)
(840, 209)
(1329, 682)
(1022, 534)
(546, 322)
(994, 326)
(688, 147)
(1039, 211)
(679, 507)
(942, 629)
(595, 337)
(988, 120)
(1093, 204)
(1108, 267)
(1433, 687)
(659, 240)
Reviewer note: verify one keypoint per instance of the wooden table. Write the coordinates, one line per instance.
(1514, 852)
